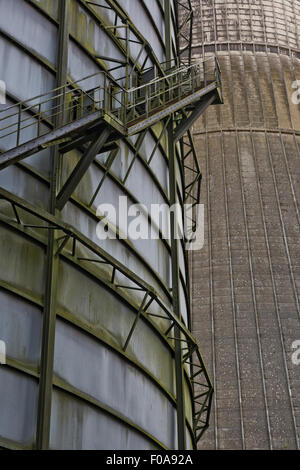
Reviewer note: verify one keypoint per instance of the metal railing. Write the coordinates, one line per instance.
(36, 116)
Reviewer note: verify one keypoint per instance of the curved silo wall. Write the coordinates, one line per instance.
(99, 396)
(245, 284)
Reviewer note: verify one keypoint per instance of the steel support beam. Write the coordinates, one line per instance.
(81, 141)
(61, 195)
(49, 222)
(52, 138)
(81, 168)
(200, 108)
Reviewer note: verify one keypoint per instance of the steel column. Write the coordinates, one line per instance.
(49, 312)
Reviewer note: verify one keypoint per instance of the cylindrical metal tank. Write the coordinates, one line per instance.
(246, 280)
(75, 377)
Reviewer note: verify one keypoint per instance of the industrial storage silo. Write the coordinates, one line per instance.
(245, 283)
(98, 350)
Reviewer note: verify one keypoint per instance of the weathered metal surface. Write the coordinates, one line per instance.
(130, 281)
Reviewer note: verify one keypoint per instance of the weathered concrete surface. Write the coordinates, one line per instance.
(246, 280)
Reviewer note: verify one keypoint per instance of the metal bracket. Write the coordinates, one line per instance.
(81, 168)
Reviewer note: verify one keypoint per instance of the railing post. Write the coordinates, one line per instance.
(109, 97)
(19, 124)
